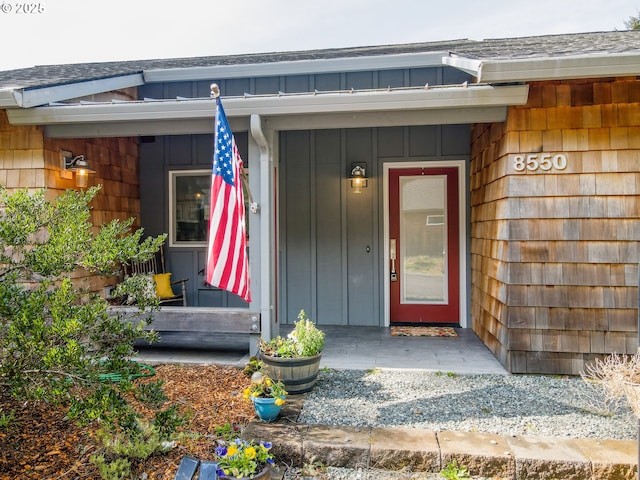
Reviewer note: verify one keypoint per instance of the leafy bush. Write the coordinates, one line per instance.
(57, 338)
(152, 394)
(123, 452)
(306, 340)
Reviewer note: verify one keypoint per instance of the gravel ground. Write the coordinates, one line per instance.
(502, 404)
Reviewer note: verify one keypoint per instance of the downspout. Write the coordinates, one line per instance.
(266, 207)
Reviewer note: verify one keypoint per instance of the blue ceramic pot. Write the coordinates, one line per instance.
(266, 408)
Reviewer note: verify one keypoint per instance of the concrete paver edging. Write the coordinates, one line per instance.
(488, 455)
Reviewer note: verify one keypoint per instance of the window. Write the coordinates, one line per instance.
(189, 199)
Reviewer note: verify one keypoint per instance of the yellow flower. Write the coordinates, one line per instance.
(246, 393)
(250, 452)
(279, 401)
(267, 382)
(232, 450)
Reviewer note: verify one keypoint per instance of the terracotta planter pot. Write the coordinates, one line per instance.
(299, 375)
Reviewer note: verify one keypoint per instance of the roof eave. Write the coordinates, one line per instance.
(445, 116)
(556, 68)
(34, 97)
(10, 98)
(296, 67)
(467, 65)
(415, 106)
(276, 105)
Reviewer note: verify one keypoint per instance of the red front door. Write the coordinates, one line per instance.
(424, 245)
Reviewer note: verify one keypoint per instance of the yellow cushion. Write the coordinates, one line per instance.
(163, 286)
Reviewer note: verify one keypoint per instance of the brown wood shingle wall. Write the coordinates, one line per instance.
(555, 254)
(29, 160)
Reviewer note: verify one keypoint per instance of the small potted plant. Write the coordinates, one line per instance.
(240, 459)
(267, 396)
(295, 360)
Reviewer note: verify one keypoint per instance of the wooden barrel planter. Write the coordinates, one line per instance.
(299, 375)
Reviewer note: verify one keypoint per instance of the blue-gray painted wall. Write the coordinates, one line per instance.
(330, 240)
(158, 156)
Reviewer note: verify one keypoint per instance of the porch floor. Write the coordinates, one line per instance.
(356, 348)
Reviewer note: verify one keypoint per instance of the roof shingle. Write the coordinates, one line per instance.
(491, 49)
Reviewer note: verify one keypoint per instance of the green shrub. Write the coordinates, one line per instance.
(167, 421)
(151, 394)
(123, 452)
(117, 469)
(58, 340)
(306, 340)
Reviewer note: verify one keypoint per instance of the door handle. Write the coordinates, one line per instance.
(392, 257)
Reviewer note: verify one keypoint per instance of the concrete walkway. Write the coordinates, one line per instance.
(348, 348)
(362, 348)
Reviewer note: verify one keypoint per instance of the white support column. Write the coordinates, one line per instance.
(266, 229)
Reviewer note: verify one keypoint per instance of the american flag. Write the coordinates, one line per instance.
(227, 261)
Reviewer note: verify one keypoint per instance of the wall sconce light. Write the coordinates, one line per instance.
(78, 164)
(358, 177)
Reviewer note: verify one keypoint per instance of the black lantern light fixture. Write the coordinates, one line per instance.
(77, 164)
(358, 177)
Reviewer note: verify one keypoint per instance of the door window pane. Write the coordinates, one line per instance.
(423, 233)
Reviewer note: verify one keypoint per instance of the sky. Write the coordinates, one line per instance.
(79, 31)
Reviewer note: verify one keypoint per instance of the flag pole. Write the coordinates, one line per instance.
(253, 206)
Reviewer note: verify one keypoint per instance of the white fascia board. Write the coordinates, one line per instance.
(467, 65)
(292, 122)
(43, 96)
(10, 98)
(582, 66)
(446, 116)
(273, 105)
(141, 128)
(296, 67)
(113, 112)
(373, 101)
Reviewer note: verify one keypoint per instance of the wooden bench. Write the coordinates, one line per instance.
(209, 320)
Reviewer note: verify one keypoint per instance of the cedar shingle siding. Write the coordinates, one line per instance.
(555, 256)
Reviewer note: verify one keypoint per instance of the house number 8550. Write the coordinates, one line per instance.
(539, 161)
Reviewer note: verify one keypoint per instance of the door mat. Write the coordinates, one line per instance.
(402, 331)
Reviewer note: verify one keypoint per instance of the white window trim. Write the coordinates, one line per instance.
(173, 174)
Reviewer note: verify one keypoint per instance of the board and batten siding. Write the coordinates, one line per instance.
(331, 239)
(158, 156)
(554, 255)
(341, 230)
